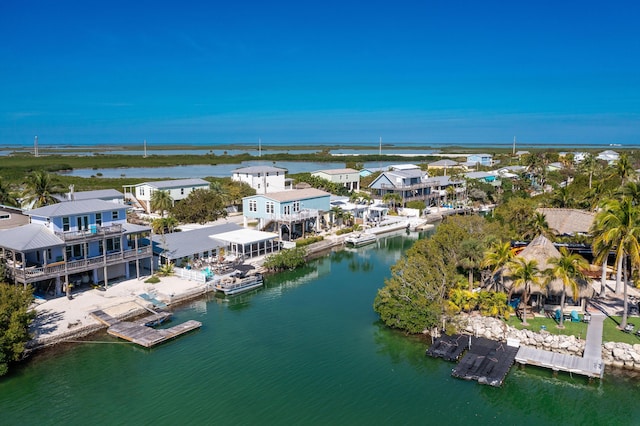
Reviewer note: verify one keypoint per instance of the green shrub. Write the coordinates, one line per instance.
(306, 241)
(152, 280)
(286, 259)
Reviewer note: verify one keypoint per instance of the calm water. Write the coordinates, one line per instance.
(220, 170)
(308, 350)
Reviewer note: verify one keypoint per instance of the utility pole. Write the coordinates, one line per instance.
(514, 145)
(145, 148)
(35, 147)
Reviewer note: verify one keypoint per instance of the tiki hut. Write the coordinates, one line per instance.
(568, 221)
(547, 297)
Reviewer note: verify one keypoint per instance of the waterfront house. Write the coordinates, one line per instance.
(349, 178)
(77, 242)
(262, 178)
(10, 217)
(178, 189)
(211, 243)
(446, 191)
(408, 184)
(290, 214)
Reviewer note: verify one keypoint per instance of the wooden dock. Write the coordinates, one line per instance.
(449, 348)
(141, 331)
(590, 364)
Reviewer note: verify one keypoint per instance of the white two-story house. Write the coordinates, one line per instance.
(77, 242)
(178, 189)
(262, 178)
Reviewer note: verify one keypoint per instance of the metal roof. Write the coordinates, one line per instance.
(336, 171)
(132, 228)
(245, 236)
(175, 183)
(93, 195)
(259, 169)
(186, 243)
(294, 194)
(29, 237)
(75, 207)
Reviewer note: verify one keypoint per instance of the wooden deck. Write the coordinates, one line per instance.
(590, 364)
(141, 332)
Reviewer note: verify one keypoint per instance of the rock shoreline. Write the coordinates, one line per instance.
(614, 354)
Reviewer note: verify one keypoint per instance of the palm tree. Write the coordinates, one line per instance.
(336, 215)
(40, 190)
(6, 197)
(471, 251)
(161, 200)
(393, 199)
(498, 256)
(624, 169)
(537, 225)
(569, 269)
(617, 226)
(524, 273)
(590, 165)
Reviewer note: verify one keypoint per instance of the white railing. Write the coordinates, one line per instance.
(190, 274)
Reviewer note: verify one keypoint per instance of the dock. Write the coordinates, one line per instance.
(141, 332)
(590, 364)
(485, 361)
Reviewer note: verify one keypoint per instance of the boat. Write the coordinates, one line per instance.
(360, 239)
(239, 283)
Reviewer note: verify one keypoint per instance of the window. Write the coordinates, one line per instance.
(114, 215)
(49, 254)
(113, 244)
(141, 190)
(287, 209)
(269, 207)
(258, 186)
(83, 223)
(101, 247)
(296, 206)
(65, 223)
(181, 191)
(253, 206)
(99, 219)
(5, 216)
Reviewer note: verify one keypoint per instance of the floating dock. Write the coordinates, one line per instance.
(485, 361)
(141, 332)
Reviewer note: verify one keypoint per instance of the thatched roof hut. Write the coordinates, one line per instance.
(542, 250)
(568, 221)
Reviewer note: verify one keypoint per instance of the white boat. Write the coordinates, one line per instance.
(360, 239)
(238, 284)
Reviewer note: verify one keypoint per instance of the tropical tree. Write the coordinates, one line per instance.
(6, 197)
(40, 189)
(617, 226)
(161, 201)
(497, 257)
(201, 206)
(393, 199)
(525, 273)
(590, 165)
(15, 317)
(624, 168)
(537, 225)
(569, 269)
(471, 257)
(336, 215)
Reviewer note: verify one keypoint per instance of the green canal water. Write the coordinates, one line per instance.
(308, 349)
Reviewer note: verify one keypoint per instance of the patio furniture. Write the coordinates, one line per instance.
(574, 317)
(586, 317)
(629, 328)
(558, 315)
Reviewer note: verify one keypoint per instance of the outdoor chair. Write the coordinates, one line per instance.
(574, 317)
(629, 328)
(558, 315)
(586, 317)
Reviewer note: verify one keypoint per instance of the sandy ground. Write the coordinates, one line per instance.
(60, 316)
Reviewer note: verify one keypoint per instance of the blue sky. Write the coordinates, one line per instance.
(319, 72)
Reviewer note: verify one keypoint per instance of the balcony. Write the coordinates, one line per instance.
(93, 232)
(37, 273)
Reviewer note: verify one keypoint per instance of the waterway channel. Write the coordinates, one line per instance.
(307, 349)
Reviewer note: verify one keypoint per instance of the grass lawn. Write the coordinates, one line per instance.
(610, 331)
(578, 329)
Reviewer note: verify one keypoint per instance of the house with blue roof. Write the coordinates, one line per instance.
(75, 242)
